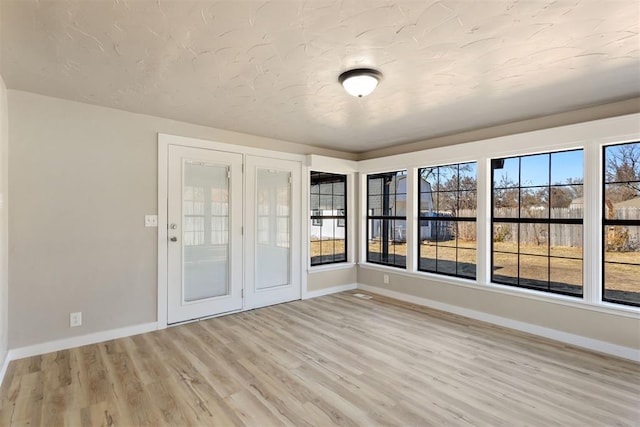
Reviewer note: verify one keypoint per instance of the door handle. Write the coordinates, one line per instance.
(173, 239)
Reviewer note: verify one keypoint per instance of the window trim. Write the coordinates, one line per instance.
(457, 219)
(345, 217)
(519, 220)
(611, 222)
(589, 136)
(369, 217)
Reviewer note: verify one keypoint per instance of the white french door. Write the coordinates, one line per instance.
(212, 266)
(204, 235)
(272, 200)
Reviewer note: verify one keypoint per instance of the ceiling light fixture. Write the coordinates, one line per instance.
(361, 81)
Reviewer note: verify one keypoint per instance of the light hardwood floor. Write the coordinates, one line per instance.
(332, 360)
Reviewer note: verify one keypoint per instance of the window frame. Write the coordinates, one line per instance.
(548, 220)
(605, 222)
(456, 219)
(369, 218)
(317, 220)
(589, 136)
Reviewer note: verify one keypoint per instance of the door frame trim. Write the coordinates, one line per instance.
(164, 141)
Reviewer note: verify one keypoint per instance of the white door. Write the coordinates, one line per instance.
(204, 233)
(272, 201)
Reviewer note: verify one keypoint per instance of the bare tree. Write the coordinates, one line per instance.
(623, 171)
(562, 196)
(506, 195)
(452, 186)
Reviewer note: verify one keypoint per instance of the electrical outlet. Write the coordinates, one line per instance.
(385, 279)
(151, 220)
(75, 319)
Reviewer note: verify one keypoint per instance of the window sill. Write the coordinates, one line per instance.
(330, 267)
(575, 302)
(384, 267)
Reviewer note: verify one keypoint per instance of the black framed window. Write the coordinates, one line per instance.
(621, 224)
(328, 218)
(387, 219)
(447, 221)
(537, 221)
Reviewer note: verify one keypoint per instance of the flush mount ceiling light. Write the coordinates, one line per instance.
(360, 82)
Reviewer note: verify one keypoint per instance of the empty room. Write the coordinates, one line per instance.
(319, 212)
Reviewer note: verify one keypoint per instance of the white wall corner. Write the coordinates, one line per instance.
(628, 353)
(4, 229)
(328, 291)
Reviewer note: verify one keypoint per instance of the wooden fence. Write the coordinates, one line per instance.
(538, 234)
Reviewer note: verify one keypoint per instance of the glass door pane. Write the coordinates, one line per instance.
(273, 225)
(205, 231)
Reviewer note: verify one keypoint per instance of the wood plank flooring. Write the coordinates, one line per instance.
(333, 360)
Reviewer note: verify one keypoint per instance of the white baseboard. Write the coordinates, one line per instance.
(331, 290)
(66, 343)
(5, 365)
(554, 334)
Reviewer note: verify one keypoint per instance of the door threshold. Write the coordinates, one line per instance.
(184, 322)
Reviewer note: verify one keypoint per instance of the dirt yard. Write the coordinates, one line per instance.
(326, 247)
(567, 270)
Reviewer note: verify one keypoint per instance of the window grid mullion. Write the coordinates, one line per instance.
(331, 256)
(439, 191)
(611, 294)
(534, 225)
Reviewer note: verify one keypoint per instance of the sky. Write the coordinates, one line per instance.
(535, 168)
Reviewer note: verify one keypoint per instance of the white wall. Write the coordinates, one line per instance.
(82, 178)
(4, 318)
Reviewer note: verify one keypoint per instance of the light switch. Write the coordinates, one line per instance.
(151, 220)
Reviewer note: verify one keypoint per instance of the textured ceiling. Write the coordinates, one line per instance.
(270, 67)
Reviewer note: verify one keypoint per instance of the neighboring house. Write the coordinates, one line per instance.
(631, 203)
(577, 203)
(326, 228)
(626, 209)
(328, 205)
(398, 204)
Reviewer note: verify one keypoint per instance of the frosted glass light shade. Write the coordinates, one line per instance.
(360, 82)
